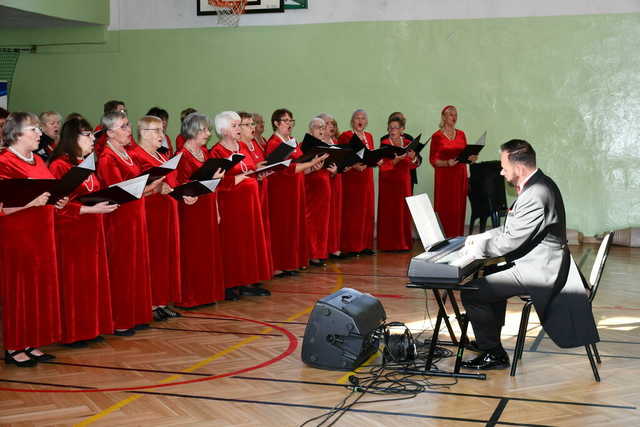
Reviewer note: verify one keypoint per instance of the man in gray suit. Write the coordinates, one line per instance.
(534, 243)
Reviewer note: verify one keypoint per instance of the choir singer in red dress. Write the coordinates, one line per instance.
(394, 184)
(289, 244)
(163, 229)
(201, 255)
(358, 198)
(29, 286)
(451, 180)
(126, 231)
(246, 253)
(317, 185)
(85, 290)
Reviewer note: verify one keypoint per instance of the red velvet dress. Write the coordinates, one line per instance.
(317, 188)
(201, 256)
(258, 155)
(127, 247)
(169, 153)
(289, 242)
(101, 142)
(450, 184)
(358, 203)
(245, 251)
(163, 232)
(394, 219)
(85, 290)
(29, 286)
(179, 142)
(335, 213)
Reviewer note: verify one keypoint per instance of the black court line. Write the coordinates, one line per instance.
(238, 320)
(452, 393)
(118, 368)
(329, 408)
(46, 384)
(216, 332)
(497, 413)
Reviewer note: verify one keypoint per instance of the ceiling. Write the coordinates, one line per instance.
(16, 18)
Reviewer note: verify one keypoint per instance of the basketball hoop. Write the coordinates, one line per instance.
(228, 11)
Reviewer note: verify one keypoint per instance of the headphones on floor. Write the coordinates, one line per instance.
(399, 345)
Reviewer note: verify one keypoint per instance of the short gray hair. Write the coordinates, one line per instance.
(193, 124)
(223, 121)
(110, 119)
(47, 114)
(316, 122)
(359, 110)
(15, 124)
(326, 117)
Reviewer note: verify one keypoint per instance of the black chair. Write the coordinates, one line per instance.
(594, 282)
(486, 194)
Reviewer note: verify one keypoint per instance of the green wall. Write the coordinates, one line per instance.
(92, 11)
(569, 85)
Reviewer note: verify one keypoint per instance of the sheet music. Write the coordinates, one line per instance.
(425, 219)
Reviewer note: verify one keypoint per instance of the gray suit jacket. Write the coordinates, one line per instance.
(534, 238)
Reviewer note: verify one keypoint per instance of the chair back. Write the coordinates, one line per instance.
(598, 264)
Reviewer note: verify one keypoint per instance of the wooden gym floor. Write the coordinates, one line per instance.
(238, 363)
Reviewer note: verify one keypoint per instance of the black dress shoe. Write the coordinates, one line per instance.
(141, 327)
(472, 346)
(125, 332)
(77, 344)
(494, 359)
(9, 358)
(169, 312)
(248, 291)
(41, 358)
(317, 263)
(159, 315)
(230, 294)
(281, 274)
(337, 256)
(292, 272)
(99, 338)
(367, 252)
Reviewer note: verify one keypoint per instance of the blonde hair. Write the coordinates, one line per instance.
(441, 125)
(146, 121)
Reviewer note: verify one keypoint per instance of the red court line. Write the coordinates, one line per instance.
(293, 343)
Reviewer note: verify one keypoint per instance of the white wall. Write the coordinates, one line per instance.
(159, 14)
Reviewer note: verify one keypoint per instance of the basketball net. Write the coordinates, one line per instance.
(228, 11)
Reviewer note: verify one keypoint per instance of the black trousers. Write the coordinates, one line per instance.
(487, 306)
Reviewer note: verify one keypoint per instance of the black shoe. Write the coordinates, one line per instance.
(159, 315)
(99, 338)
(230, 294)
(141, 327)
(248, 291)
(367, 252)
(352, 254)
(42, 358)
(77, 344)
(9, 358)
(292, 272)
(281, 275)
(337, 256)
(494, 359)
(125, 332)
(169, 312)
(317, 263)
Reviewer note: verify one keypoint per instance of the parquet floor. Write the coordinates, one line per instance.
(238, 364)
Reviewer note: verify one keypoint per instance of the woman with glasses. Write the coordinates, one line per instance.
(289, 243)
(163, 230)
(358, 194)
(201, 254)
(317, 185)
(335, 211)
(29, 286)
(85, 290)
(166, 147)
(394, 184)
(245, 250)
(126, 231)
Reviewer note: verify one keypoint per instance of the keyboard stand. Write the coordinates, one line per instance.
(463, 321)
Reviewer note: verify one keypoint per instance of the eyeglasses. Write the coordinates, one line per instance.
(293, 122)
(394, 128)
(156, 130)
(248, 124)
(33, 128)
(124, 126)
(86, 133)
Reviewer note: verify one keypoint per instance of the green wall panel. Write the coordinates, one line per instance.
(569, 85)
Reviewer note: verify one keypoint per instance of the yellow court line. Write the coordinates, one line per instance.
(125, 402)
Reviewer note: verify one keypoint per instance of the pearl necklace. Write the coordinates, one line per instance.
(243, 166)
(159, 157)
(123, 155)
(198, 155)
(450, 138)
(31, 160)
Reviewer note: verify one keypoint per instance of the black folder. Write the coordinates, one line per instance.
(206, 171)
(472, 149)
(281, 152)
(162, 150)
(18, 192)
(194, 188)
(122, 192)
(416, 146)
(274, 167)
(97, 134)
(72, 179)
(164, 169)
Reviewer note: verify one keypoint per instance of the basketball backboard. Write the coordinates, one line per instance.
(253, 6)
